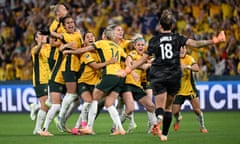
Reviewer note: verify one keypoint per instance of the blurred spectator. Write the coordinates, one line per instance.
(202, 74)
(148, 21)
(219, 65)
(198, 19)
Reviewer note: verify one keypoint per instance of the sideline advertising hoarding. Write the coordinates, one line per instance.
(214, 96)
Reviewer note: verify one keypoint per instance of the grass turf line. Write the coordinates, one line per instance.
(223, 128)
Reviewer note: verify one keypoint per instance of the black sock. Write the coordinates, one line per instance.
(159, 111)
(176, 115)
(166, 122)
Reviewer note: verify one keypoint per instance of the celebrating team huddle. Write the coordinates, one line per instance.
(76, 66)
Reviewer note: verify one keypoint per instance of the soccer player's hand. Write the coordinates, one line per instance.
(112, 60)
(128, 70)
(220, 38)
(135, 76)
(65, 52)
(121, 73)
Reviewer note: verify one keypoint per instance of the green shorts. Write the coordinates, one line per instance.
(180, 99)
(137, 92)
(56, 87)
(41, 90)
(110, 83)
(82, 87)
(69, 76)
(146, 85)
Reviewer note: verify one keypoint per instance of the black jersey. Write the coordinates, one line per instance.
(165, 48)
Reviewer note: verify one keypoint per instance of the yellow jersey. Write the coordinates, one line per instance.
(41, 69)
(71, 61)
(56, 26)
(188, 86)
(19, 63)
(129, 79)
(106, 50)
(124, 44)
(87, 74)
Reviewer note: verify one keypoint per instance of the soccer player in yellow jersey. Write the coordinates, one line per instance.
(64, 76)
(41, 70)
(56, 26)
(69, 67)
(133, 89)
(145, 80)
(188, 90)
(89, 77)
(110, 84)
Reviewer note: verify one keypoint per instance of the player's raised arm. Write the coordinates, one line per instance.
(79, 50)
(201, 43)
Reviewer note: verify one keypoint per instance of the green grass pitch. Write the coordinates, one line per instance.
(223, 128)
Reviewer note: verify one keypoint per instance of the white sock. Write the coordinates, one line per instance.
(151, 117)
(67, 100)
(85, 109)
(50, 115)
(37, 107)
(123, 116)
(92, 113)
(115, 117)
(71, 109)
(200, 119)
(78, 123)
(40, 118)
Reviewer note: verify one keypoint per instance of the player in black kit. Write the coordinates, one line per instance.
(165, 73)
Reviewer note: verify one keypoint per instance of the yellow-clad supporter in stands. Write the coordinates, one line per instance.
(93, 25)
(214, 8)
(227, 9)
(196, 7)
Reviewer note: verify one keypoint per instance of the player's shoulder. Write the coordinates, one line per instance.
(133, 53)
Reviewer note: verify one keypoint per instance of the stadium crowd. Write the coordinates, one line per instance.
(196, 19)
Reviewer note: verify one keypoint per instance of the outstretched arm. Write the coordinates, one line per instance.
(128, 69)
(201, 43)
(138, 62)
(193, 67)
(97, 66)
(79, 50)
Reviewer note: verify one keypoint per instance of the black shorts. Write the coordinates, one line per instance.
(82, 87)
(137, 92)
(146, 85)
(110, 83)
(165, 81)
(56, 87)
(41, 90)
(170, 86)
(69, 76)
(180, 99)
